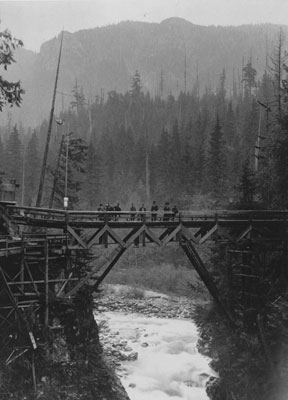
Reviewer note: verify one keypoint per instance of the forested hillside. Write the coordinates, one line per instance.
(195, 150)
(171, 57)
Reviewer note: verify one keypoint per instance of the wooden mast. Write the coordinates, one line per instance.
(44, 164)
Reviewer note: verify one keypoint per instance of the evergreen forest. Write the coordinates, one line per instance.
(199, 150)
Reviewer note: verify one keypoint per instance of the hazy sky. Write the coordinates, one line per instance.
(37, 21)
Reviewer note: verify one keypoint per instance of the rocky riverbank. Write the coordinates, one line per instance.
(125, 300)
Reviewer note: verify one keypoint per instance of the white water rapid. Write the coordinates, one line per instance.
(169, 366)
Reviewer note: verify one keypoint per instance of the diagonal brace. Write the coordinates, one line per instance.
(204, 274)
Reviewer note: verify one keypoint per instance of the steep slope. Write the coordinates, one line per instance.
(106, 58)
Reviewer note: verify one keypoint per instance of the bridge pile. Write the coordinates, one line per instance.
(47, 255)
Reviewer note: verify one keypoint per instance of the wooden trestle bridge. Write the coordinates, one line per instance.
(40, 249)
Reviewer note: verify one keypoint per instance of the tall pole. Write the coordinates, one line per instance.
(23, 179)
(44, 164)
(257, 145)
(66, 171)
(56, 173)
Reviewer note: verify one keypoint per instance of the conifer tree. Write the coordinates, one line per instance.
(136, 85)
(93, 178)
(249, 77)
(188, 179)
(14, 156)
(216, 161)
(163, 164)
(278, 68)
(78, 98)
(246, 186)
(32, 169)
(175, 156)
(77, 153)
(229, 128)
(221, 94)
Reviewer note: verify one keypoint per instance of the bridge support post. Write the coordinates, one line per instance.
(204, 274)
(46, 280)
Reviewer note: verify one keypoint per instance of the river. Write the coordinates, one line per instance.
(168, 366)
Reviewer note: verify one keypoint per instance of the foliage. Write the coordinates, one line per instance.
(246, 187)
(74, 167)
(10, 92)
(216, 161)
(31, 169)
(14, 156)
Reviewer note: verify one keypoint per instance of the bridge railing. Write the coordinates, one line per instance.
(19, 214)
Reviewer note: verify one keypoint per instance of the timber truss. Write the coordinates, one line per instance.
(37, 268)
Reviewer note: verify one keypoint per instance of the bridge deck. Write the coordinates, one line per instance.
(34, 264)
(125, 219)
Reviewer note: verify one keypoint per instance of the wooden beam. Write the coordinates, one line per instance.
(171, 235)
(17, 309)
(102, 262)
(108, 266)
(60, 291)
(77, 237)
(244, 233)
(46, 284)
(115, 237)
(188, 235)
(133, 235)
(152, 236)
(208, 234)
(165, 233)
(204, 274)
(107, 262)
(31, 277)
(42, 282)
(96, 236)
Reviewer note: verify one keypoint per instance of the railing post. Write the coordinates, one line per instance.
(22, 263)
(67, 220)
(46, 279)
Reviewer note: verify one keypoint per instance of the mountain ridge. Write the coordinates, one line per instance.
(106, 58)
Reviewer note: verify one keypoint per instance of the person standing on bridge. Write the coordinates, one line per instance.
(154, 210)
(100, 209)
(108, 208)
(117, 208)
(167, 214)
(142, 210)
(133, 209)
(174, 212)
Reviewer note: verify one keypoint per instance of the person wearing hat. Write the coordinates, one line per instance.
(133, 214)
(166, 215)
(154, 210)
(174, 212)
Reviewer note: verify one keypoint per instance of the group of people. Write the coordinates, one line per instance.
(109, 207)
(169, 214)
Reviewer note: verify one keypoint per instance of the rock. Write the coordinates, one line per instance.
(189, 383)
(132, 385)
(132, 356)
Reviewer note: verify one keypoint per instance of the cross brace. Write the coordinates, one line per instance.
(204, 274)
